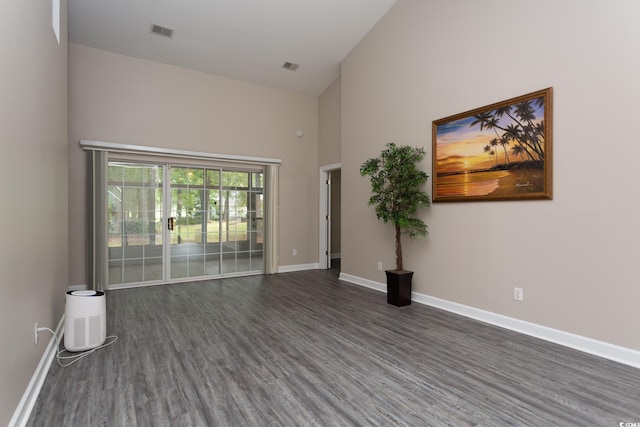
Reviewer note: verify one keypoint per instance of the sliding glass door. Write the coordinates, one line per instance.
(173, 222)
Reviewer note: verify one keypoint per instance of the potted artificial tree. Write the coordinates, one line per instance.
(396, 184)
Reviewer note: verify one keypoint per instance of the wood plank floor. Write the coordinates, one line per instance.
(304, 349)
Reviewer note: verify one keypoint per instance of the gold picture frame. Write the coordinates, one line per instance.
(502, 151)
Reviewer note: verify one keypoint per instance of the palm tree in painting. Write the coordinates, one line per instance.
(518, 150)
(514, 132)
(499, 112)
(538, 130)
(487, 149)
(524, 111)
(522, 130)
(494, 143)
(485, 120)
(481, 119)
(504, 142)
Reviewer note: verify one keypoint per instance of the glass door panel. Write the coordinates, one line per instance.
(189, 210)
(256, 221)
(234, 186)
(242, 221)
(214, 224)
(256, 233)
(134, 212)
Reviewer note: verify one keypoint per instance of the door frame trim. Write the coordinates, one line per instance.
(323, 257)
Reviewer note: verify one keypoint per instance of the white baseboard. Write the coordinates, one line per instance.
(77, 288)
(28, 401)
(336, 255)
(603, 349)
(377, 286)
(297, 267)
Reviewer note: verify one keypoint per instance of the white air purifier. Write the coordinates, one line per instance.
(85, 325)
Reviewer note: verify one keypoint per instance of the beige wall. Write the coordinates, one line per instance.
(329, 146)
(329, 131)
(115, 98)
(33, 189)
(576, 257)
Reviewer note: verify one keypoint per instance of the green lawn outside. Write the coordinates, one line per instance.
(191, 233)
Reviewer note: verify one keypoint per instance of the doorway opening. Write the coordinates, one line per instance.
(330, 217)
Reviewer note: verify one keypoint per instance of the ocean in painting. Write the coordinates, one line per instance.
(479, 183)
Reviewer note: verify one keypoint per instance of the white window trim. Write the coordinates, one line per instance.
(156, 151)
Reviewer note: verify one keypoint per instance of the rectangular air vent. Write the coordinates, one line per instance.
(162, 31)
(290, 66)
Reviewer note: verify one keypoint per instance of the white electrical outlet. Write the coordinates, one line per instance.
(380, 265)
(518, 294)
(295, 252)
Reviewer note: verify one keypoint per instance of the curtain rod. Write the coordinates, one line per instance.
(155, 151)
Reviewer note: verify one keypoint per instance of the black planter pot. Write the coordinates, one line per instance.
(399, 287)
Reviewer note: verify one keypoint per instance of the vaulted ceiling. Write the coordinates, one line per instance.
(248, 40)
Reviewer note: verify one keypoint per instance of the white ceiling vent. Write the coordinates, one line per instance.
(162, 31)
(290, 66)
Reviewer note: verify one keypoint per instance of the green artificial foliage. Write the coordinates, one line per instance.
(396, 184)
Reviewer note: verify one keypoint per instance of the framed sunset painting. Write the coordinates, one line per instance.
(499, 152)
